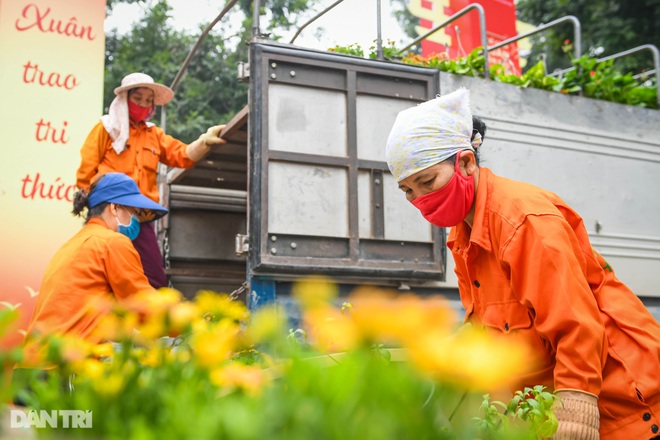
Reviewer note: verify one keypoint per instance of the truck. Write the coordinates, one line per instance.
(302, 187)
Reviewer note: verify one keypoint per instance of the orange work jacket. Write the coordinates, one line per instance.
(95, 264)
(526, 269)
(147, 145)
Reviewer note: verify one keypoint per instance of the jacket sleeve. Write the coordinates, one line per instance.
(91, 155)
(173, 151)
(124, 268)
(548, 274)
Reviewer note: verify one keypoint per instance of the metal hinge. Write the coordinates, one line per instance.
(243, 71)
(242, 245)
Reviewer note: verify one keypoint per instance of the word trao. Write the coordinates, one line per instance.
(32, 74)
(70, 418)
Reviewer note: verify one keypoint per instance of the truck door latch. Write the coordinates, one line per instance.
(243, 72)
(242, 245)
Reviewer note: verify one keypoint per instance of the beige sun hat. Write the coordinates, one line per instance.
(162, 93)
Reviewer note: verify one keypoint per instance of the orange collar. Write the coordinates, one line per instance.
(98, 221)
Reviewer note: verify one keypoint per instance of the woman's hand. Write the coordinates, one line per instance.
(212, 136)
(198, 149)
(578, 416)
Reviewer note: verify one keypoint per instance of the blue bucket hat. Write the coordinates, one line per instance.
(120, 189)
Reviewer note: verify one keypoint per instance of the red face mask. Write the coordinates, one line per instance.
(137, 113)
(449, 205)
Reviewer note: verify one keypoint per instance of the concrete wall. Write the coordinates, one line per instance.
(602, 158)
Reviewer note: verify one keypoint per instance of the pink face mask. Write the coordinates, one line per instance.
(449, 205)
(137, 113)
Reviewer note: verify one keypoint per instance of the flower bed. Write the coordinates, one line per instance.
(590, 78)
(378, 365)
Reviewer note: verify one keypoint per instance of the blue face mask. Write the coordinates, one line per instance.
(130, 230)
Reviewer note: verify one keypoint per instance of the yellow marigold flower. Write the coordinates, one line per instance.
(89, 368)
(201, 325)
(267, 324)
(168, 297)
(329, 330)
(103, 350)
(314, 292)
(220, 306)
(116, 326)
(246, 377)
(181, 316)
(152, 328)
(153, 302)
(473, 359)
(215, 344)
(109, 386)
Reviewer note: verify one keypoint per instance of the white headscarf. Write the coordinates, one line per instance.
(116, 121)
(429, 133)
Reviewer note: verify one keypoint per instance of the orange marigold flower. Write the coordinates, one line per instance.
(330, 330)
(246, 377)
(472, 358)
(383, 316)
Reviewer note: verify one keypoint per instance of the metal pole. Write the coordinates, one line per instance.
(484, 39)
(163, 117)
(577, 42)
(256, 4)
(379, 37)
(191, 54)
(459, 14)
(313, 19)
(647, 73)
(203, 35)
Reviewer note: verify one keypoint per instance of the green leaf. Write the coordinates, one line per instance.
(549, 427)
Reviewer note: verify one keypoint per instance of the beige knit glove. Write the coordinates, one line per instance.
(578, 417)
(198, 149)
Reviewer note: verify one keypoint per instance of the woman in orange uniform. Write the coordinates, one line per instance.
(526, 269)
(96, 266)
(125, 142)
(98, 263)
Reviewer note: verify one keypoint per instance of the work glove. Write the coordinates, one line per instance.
(198, 149)
(578, 417)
